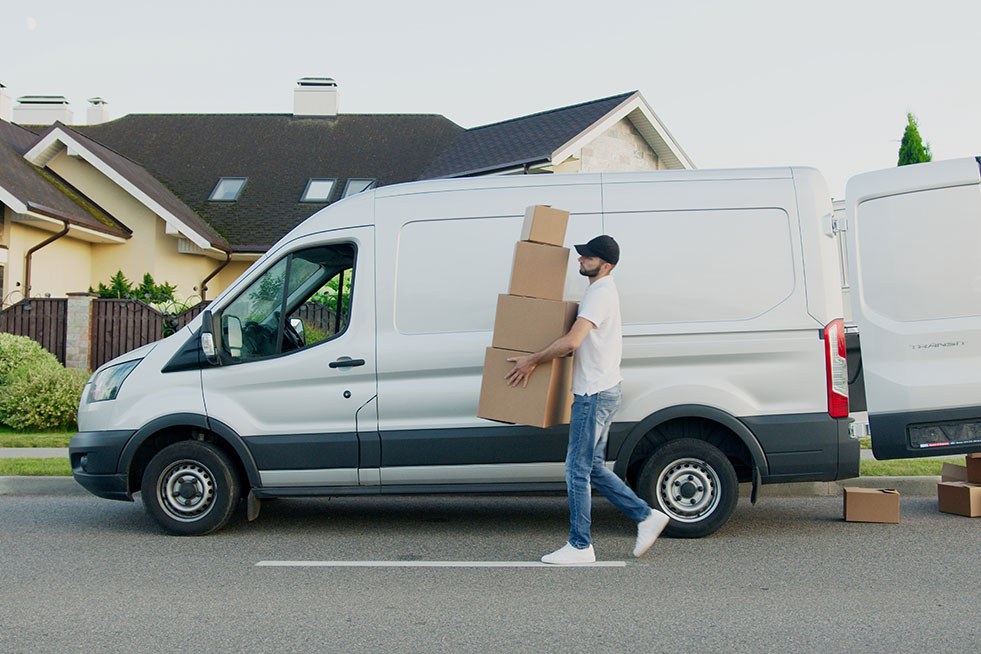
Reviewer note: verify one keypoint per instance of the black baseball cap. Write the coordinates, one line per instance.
(603, 247)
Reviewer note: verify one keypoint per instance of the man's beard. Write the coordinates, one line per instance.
(586, 272)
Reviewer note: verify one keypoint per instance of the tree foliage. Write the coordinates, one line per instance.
(149, 291)
(913, 150)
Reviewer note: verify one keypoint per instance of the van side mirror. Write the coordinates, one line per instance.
(209, 341)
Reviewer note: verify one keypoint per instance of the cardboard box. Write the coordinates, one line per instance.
(959, 497)
(530, 324)
(974, 468)
(953, 472)
(543, 224)
(545, 402)
(871, 505)
(539, 271)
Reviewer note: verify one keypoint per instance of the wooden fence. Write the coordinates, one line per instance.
(116, 326)
(43, 319)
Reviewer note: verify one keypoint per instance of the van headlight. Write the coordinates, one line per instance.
(106, 383)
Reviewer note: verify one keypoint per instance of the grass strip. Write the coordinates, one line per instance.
(906, 467)
(45, 439)
(24, 467)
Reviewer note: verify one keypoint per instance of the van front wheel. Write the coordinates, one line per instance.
(190, 488)
(693, 483)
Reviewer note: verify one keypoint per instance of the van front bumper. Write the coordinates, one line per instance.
(94, 457)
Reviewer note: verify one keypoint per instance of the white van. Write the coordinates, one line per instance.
(348, 359)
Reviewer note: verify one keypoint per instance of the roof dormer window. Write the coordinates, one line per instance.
(228, 189)
(318, 190)
(356, 185)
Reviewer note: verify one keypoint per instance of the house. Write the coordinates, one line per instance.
(194, 199)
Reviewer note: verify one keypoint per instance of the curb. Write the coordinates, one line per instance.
(909, 486)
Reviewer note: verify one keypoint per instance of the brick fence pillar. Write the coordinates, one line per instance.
(78, 340)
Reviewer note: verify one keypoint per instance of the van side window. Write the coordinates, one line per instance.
(301, 300)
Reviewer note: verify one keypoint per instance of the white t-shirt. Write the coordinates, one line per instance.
(596, 364)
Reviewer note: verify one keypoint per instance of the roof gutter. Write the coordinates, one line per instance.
(204, 282)
(30, 253)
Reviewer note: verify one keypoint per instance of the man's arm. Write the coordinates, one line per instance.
(560, 347)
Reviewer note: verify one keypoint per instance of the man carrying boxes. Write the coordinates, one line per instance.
(596, 338)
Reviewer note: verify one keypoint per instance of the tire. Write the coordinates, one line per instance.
(190, 488)
(702, 483)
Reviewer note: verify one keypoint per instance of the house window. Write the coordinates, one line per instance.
(318, 190)
(355, 185)
(228, 189)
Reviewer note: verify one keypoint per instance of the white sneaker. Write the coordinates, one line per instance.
(569, 555)
(648, 530)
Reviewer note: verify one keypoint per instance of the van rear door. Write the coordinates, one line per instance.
(914, 249)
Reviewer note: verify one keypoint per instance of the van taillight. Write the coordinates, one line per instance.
(836, 368)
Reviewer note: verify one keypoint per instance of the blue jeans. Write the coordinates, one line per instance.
(585, 465)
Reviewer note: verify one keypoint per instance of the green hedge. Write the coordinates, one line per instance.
(36, 391)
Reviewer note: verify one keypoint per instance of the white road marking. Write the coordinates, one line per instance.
(432, 564)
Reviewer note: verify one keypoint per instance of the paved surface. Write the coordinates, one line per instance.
(34, 452)
(83, 574)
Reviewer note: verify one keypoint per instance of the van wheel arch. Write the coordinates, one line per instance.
(690, 421)
(166, 431)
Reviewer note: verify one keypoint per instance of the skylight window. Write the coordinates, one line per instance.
(318, 190)
(355, 185)
(228, 189)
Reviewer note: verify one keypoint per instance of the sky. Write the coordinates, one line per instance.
(737, 83)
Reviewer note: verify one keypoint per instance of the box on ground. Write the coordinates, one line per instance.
(871, 504)
(974, 468)
(546, 401)
(530, 324)
(543, 224)
(539, 270)
(959, 497)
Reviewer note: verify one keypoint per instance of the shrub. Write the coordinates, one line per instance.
(42, 398)
(22, 352)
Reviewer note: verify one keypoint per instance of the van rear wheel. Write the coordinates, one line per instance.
(190, 488)
(693, 483)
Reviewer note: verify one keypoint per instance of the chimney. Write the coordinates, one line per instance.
(315, 96)
(6, 105)
(97, 112)
(42, 110)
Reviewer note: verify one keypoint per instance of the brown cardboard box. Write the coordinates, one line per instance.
(545, 402)
(959, 497)
(543, 224)
(871, 505)
(530, 324)
(953, 472)
(974, 468)
(539, 270)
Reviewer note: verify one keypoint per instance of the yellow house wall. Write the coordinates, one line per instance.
(56, 269)
(149, 250)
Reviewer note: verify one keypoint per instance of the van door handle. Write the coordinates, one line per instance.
(346, 362)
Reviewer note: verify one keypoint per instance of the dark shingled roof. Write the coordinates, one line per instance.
(143, 180)
(512, 143)
(42, 192)
(278, 154)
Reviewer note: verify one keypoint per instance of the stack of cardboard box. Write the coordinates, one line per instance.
(959, 490)
(528, 319)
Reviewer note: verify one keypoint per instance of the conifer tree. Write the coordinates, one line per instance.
(912, 149)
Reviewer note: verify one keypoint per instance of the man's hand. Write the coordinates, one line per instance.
(521, 373)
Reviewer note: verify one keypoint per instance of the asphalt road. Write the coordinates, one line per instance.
(83, 574)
